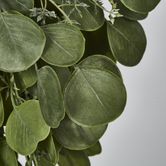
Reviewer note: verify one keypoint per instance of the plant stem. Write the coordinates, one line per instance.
(45, 4)
(41, 2)
(100, 6)
(70, 5)
(12, 100)
(29, 160)
(64, 14)
(11, 96)
(14, 92)
(35, 160)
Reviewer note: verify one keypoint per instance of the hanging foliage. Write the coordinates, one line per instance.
(60, 85)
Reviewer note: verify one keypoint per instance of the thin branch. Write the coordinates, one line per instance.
(41, 2)
(100, 6)
(64, 14)
(45, 4)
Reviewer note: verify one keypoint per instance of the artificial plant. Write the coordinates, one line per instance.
(59, 81)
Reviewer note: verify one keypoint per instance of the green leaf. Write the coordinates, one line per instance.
(22, 6)
(26, 79)
(99, 95)
(140, 6)
(50, 96)
(88, 18)
(93, 150)
(22, 42)
(73, 158)
(75, 137)
(63, 74)
(100, 62)
(46, 153)
(127, 41)
(65, 44)
(127, 13)
(26, 128)
(1, 111)
(7, 155)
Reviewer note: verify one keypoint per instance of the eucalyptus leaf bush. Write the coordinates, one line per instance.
(60, 85)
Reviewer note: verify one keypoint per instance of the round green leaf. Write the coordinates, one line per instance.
(1, 111)
(7, 155)
(100, 62)
(18, 5)
(140, 6)
(77, 137)
(94, 96)
(46, 153)
(93, 150)
(65, 45)
(50, 96)
(127, 13)
(127, 41)
(73, 158)
(26, 127)
(63, 74)
(22, 42)
(88, 17)
(26, 79)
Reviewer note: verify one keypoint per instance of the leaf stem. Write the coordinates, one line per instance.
(41, 2)
(12, 98)
(14, 92)
(45, 4)
(64, 14)
(100, 6)
(3, 88)
(35, 160)
(29, 160)
(70, 5)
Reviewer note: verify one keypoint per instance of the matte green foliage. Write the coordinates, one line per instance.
(86, 9)
(22, 42)
(126, 12)
(26, 126)
(27, 78)
(85, 93)
(94, 150)
(73, 158)
(47, 153)
(140, 6)
(127, 41)
(60, 85)
(50, 96)
(19, 5)
(82, 137)
(65, 45)
(7, 155)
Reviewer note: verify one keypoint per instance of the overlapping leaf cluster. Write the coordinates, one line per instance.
(59, 82)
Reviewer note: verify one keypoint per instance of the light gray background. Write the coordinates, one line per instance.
(138, 137)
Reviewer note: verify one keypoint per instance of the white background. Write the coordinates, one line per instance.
(138, 137)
